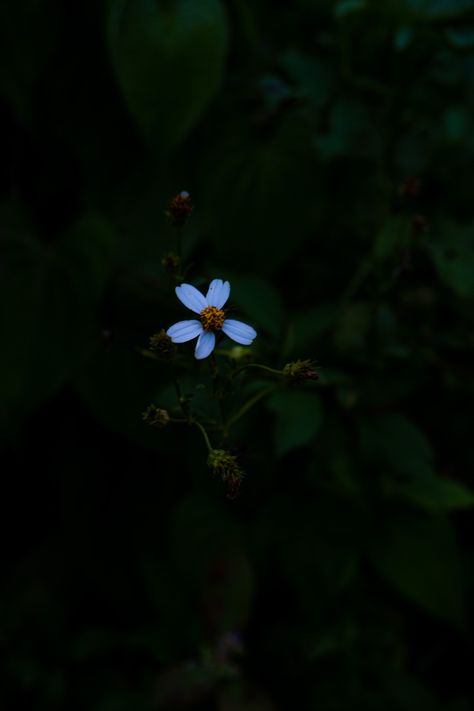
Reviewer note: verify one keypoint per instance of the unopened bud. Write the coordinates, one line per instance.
(171, 263)
(156, 416)
(300, 370)
(179, 208)
(162, 346)
(225, 465)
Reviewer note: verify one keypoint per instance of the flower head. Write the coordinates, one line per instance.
(179, 208)
(300, 370)
(156, 416)
(211, 319)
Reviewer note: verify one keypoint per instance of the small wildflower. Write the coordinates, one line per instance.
(225, 465)
(179, 208)
(162, 346)
(300, 370)
(212, 319)
(156, 416)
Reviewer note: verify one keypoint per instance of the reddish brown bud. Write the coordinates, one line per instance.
(179, 208)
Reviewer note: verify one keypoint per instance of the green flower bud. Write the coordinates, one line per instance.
(299, 371)
(162, 346)
(225, 465)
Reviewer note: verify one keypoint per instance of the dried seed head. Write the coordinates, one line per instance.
(179, 208)
(156, 416)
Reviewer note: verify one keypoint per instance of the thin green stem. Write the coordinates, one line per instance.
(213, 366)
(179, 242)
(249, 404)
(267, 368)
(204, 434)
(181, 400)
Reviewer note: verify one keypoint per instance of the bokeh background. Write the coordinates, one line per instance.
(328, 149)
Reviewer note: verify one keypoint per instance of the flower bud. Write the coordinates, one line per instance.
(171, 263)
(156, 417)
(179, 208)
(301, 370)
(162, 346)
(225, 465)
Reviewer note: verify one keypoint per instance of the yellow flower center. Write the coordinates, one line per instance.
(212, 318)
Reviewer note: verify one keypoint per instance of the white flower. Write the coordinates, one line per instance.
(212, 319)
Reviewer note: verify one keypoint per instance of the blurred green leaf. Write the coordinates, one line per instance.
(396, 445)
(299, 416)
(347, 7)
(253, 199)
(353, 326)
(392, 440)
(439, 9)
(169, 58)
(313, 78)
(438, 494)
(310, 327)
(56, 289)
(452, 251)
(392, 237)
(403, 37)
(350, 132)
(461, 38)
(29, 34)
(260, 301)
(419, 556)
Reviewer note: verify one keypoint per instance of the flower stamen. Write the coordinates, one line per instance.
(212, 318)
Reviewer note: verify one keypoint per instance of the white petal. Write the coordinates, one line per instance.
(184, 331)
(218, 293)
(239, 332)
(191, 297)
(205, 345)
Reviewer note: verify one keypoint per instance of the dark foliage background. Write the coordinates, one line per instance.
(328, 148)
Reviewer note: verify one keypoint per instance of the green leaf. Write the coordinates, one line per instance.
(396, 445)
(452, 251)
(440, 9)
(29, 34)
(402, 39)
(347, 7)
(438, 494)
(310, 327)
(392, 237)
(261, 301)
(299, 417)
(313, 78)
(461, 38)
(353, 326)
(421, 559)
(53, 326)
(262, 200)
(394, 441)
(169, 59)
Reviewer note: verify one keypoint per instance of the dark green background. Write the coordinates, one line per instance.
(345, 565)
